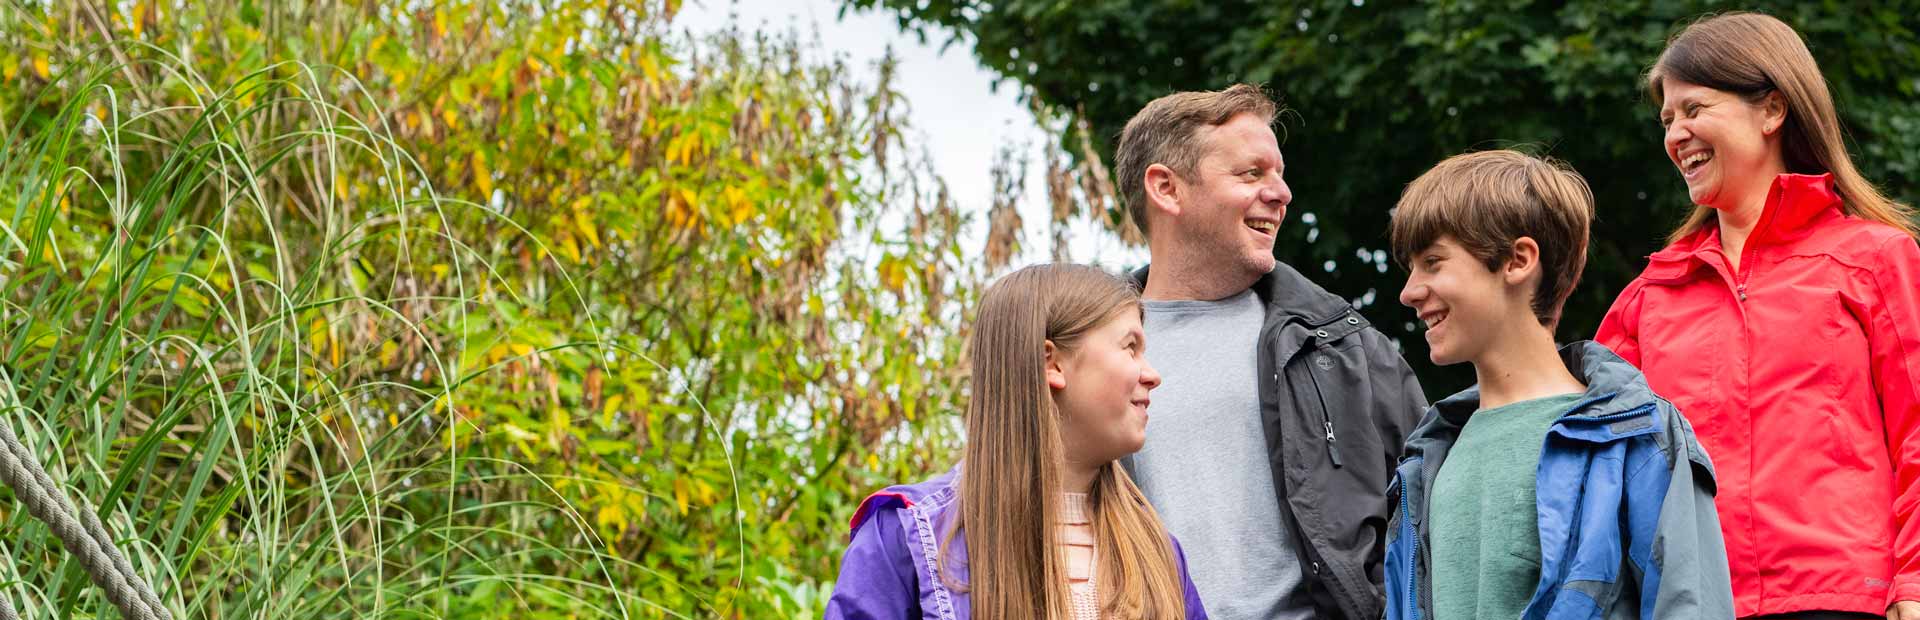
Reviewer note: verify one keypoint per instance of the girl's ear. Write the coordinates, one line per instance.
(1056, 376)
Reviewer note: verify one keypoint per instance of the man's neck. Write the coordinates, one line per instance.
(1524, 366)
(1181, 278)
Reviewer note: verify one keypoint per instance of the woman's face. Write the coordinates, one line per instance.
(1101, 390)
(1725, 148)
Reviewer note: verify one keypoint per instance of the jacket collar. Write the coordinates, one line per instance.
(1795, 204)
(1613, 407)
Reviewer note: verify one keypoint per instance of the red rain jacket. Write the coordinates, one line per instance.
(1801, 374)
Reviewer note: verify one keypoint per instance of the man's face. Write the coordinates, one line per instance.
(1232, 202)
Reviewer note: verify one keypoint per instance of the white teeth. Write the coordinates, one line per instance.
(1696, 158)
(1434, 320)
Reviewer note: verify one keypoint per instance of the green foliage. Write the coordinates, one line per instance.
(514, 309)
(1383, 90)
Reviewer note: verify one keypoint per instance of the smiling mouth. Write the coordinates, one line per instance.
(1265, 227)
(1433, 319)
(1691, 164)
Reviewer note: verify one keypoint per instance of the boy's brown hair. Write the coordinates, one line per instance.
(1488, 200)
(1163, 133)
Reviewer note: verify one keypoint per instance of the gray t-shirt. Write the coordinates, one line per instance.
(1205, 465)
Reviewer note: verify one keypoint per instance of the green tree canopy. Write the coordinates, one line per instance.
(1380, 91)
(451, 309)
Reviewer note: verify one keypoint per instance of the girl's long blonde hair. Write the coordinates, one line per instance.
(1010, 491)
(1752, 55)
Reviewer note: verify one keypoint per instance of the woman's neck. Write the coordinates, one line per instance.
(1738, 221)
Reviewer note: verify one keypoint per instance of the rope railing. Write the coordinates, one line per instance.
(79, 532)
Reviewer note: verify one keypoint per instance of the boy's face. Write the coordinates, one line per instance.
(1465, 305)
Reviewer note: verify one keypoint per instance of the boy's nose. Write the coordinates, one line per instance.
(1412, 293)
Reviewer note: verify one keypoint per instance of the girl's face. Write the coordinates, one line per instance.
(1725, 148)
(1101, 390)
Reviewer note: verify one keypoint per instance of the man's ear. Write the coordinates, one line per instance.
(1163, 189)
(1056, 376)
(1774, 110)
(1523, 261)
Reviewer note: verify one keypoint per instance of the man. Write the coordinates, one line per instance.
(1282, 412)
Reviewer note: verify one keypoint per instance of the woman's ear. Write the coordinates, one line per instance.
(1056, 376)
(1522, 262)
(1774, 112)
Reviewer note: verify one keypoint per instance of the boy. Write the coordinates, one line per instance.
(1558, 486)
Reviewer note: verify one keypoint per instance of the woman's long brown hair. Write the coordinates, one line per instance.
(1010, 491)
(1751, 55)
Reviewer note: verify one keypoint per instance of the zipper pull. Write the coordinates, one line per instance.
(1332, 450)
(1743, 292)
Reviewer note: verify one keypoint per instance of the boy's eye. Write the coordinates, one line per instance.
(1251, 173)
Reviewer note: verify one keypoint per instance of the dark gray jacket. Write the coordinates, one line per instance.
(1336, 402)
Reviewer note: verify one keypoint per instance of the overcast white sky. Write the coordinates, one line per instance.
(955, 113)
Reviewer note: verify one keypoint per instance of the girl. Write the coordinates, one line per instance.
(1039, 520)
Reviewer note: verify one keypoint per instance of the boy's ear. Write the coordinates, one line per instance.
(1163, 189)
(1522, 262)
(1056, 376)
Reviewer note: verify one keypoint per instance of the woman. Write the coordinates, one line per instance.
(1784, 321)
(1039, 520)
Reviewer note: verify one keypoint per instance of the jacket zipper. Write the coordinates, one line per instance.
(1326, 417)
(1413, 562)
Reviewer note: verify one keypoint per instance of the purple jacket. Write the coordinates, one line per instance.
(889, 572)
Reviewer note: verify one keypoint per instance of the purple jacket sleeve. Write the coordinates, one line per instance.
(876, 575)
(1195, 611)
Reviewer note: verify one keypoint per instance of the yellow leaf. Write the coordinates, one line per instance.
(705, 491)
(317, 332)
(393, 419)
(873, 461)
(10, 69)
(738, 208)
(570, 249)
(680, 494)
(649, 68)
(452, 120)
(612, 516)
(583, 221)
(40, 65)
(482, 177)
(439, 23)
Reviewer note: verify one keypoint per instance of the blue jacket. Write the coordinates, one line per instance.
(1625, 501)
(890, 571)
